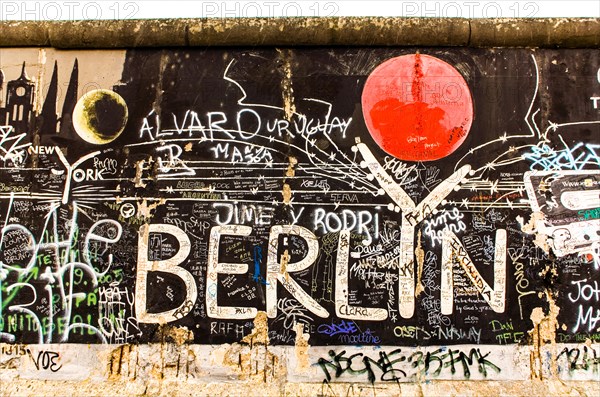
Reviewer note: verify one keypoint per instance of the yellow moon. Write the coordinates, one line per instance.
(100, 116)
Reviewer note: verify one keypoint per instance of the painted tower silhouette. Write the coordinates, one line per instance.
(48, 118)
(19, 102)
(66, 119)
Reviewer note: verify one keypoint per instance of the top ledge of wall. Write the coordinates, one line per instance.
(357, 31)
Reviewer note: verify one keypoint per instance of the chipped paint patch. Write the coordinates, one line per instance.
(543, 333)
(260, 332)
(535, 226)
(420, 255)
(145, 210)
(289, 108)
(179, 335)
(251, 359)
(287, 194)
(301, 348)
(139, 172)
(291, 170)
(285, 259)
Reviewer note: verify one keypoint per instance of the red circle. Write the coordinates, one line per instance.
(417, 107)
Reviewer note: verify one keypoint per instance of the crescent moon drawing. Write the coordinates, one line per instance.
(100, 116)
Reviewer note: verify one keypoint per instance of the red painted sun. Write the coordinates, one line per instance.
(417, 107)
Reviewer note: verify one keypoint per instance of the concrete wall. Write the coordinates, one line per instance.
(419, 218)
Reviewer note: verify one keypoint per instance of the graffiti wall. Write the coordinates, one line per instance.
(389, 213)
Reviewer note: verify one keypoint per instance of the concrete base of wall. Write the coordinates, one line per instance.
(545, 388)
(180, 369)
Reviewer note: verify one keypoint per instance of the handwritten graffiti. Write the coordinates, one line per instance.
(581, 358)
(46, 360)
(342, 364)
(71, 267)
(335, 329)
(198, 198)
(570, 158)
(395, 365)
(13, 148)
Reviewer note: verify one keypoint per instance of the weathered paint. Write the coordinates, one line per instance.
(248, 225)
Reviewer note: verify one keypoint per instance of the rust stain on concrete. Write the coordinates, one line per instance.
(116, 361)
